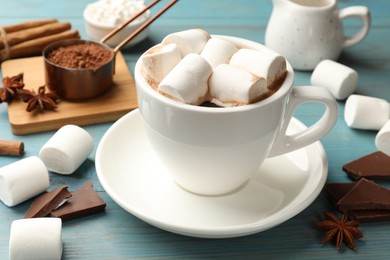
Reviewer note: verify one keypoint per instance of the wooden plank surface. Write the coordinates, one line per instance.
(106, 108)
(116, 234)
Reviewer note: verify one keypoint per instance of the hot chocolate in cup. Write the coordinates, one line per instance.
(214, 151)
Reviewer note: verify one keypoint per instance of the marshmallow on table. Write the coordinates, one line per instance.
(158, 61)
(36, 239)
(187, 82)
(382, 139)
(364, 112)
(218, 51)
(189, 41)
(22, 180)
(233, 86)
(67, 149)
(263, 63)
(339, 79)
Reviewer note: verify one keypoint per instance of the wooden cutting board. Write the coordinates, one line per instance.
(107, 108)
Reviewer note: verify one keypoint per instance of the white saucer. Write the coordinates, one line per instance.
(134, 178)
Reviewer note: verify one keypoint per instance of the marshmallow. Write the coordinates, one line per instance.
(22, 180)
(263, 63)
(339, 79)
(189, 41)
(364, 112)
(36, 239)
(67, 149)
(382, 139)
(159, 61)
(114, 12)
(187, 81)
(218, 51)
(234, 86)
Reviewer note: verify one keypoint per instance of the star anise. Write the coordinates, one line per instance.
(40, 100)
(340, 230)
(11, 86)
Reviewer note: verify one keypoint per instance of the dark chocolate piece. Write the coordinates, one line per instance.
(84, 201)
(369, 215)
(365, 195)
(338, 190)
(46, 203)
(372, 166)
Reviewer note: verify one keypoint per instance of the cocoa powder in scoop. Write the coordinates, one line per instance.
(80, 56)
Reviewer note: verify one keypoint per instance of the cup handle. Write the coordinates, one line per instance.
(362, 13)
(286, 143)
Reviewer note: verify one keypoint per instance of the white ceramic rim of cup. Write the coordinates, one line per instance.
(136, 23)
(283, 90)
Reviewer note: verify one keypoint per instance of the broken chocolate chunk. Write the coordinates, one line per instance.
(372, 166)
(337, 191)
(369, 215)
(365, 195)
(46, 203)
(84, 201)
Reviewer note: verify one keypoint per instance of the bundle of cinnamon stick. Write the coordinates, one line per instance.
(30, 38)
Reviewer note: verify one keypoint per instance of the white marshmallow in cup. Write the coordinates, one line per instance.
(218, 51)
(234, 86)
(188, 41)
(67, 149)
(261, 62)
(22, 180)
(382, 139)
(159, 61)
(364, 112)
(339, 79)
(187, 82)
(36, 239)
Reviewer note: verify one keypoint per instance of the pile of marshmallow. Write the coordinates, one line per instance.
(63, 153)
(192, 67)
(361, 112)
(114, 12)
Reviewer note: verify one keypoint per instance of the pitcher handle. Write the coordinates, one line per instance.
(362, 13)
(286, 143)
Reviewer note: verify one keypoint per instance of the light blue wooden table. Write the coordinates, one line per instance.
(116, 234)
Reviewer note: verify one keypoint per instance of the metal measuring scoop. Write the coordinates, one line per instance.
(86, 83)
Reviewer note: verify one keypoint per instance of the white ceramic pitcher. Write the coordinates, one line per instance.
(308, 31)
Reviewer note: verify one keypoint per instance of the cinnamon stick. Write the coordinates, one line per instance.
(27, 25)
(13, 148)
(35, 46)
(35, 32)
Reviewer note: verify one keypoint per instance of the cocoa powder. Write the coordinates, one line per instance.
(80, 56)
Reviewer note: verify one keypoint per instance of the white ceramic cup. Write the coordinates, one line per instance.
(213, 151)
